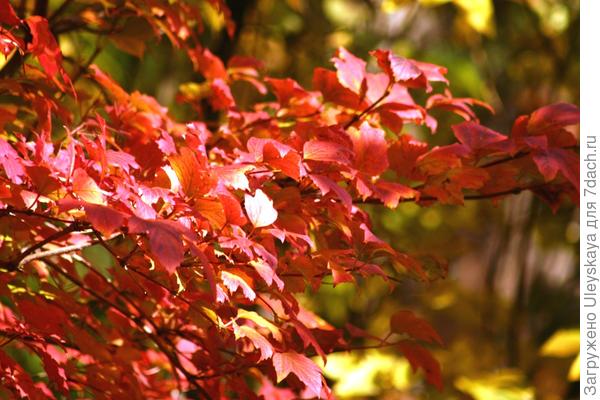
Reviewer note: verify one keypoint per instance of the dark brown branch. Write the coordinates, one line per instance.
(41, 8)
(23, 259)
(479, 196)
(8, 211)
(26, 337)
(60, 10)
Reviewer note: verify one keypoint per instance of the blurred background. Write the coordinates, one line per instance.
(509, 309)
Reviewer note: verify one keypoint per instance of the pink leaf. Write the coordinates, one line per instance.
(233, 282)
(259, 341)
(260, 209)
(351, 71)
(400, 69)
(306, 370)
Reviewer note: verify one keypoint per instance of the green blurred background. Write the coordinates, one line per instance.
(509, 310)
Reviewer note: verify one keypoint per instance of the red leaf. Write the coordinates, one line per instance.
(327, 83)
(234, 282)
(290, 164)
(165, 240)
(408, 323)
(395, 115)
(86, 188)
(552, 117)
(259, 341)
(222, 98)
(469, 177)
(112, 88)
(351, 71)
(327, 185)
(433, 73)
(208, 64)
(233, 210)
(212, 210)
(460, 106)
(45, 318)
(194, 178)
(476, 136)
(419, 357)
(45, 48)
(370, 149)
(391, 193)
(318, 150)
(11, 162)
(7, 14)
(286, 89)
(104, 219)
(550, 161)
(56, 373)
(400, 69)
(403, 155)
(266, 272)
(260, 209)
(271, 392)
(301, 366)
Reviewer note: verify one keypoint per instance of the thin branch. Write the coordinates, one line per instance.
(367, 110)
(479, 196)
(60, 10)
(11, 210)
(55, 252)
(27, 337)
(56, 235)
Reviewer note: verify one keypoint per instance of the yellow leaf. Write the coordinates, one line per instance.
(574, 370)
(563, 343)
(365, 376)
(260, 321)
(479, 14)
(501, 385)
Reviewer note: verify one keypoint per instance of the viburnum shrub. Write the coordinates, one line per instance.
(143, 257)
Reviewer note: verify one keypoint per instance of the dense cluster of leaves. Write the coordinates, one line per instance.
(143, 257)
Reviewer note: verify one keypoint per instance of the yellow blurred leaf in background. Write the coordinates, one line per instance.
(563, 343)
(574, 370)
(368, 375)
(502, 385)
(479, 14)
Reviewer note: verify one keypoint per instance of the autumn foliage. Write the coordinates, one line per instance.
(143, 256)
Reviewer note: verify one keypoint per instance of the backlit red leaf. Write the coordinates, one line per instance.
(318, 150)
(370, 149)
(351, 71)
(86, 188)
(301, 366)
(400, 69)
